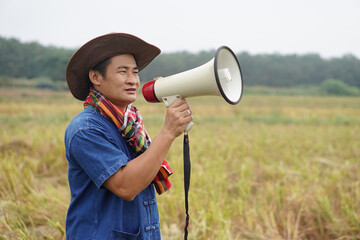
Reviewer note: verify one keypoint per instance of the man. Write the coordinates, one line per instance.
(111, 176)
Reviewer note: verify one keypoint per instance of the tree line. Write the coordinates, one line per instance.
(32, 60)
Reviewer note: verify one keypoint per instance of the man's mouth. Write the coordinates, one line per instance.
(130, 90)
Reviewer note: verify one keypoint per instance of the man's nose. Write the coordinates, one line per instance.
(132, 79)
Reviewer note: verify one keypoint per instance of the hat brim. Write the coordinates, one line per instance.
(99, 49)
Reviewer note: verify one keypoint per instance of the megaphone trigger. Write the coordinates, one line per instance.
(170, 100)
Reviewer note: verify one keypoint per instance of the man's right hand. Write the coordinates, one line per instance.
(178, 115)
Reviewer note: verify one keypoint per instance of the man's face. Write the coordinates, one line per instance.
(121, 83)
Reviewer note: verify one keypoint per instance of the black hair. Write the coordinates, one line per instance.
(101, 66)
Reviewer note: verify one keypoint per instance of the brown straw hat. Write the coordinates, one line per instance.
(99, 49)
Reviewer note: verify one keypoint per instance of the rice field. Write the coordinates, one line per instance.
(271, 167)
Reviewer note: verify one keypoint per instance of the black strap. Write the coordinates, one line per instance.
(187, 171)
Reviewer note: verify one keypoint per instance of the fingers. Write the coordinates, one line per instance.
(187, 114)
(178, 116)
(182, 107)
(180, 104)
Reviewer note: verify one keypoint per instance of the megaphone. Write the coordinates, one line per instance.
(221, 76)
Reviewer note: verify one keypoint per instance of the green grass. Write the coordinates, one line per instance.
(271, 167)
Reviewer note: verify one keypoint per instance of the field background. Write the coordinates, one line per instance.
(271, 167)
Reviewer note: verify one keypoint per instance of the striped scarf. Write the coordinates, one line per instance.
(130, 125)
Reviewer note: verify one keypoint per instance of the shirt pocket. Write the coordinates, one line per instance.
(116, 234)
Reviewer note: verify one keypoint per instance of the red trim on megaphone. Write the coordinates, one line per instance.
(149, 92)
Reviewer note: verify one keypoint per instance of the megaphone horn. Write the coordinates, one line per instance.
(220, 76)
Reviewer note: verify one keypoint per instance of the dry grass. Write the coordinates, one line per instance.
(268, 168)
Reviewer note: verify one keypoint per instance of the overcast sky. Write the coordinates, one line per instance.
(330, 28)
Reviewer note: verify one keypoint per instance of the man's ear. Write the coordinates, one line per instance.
(95, 77)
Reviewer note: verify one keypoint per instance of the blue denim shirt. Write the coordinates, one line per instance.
(95, 150)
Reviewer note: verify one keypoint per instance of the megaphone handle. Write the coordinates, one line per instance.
(170, 100)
